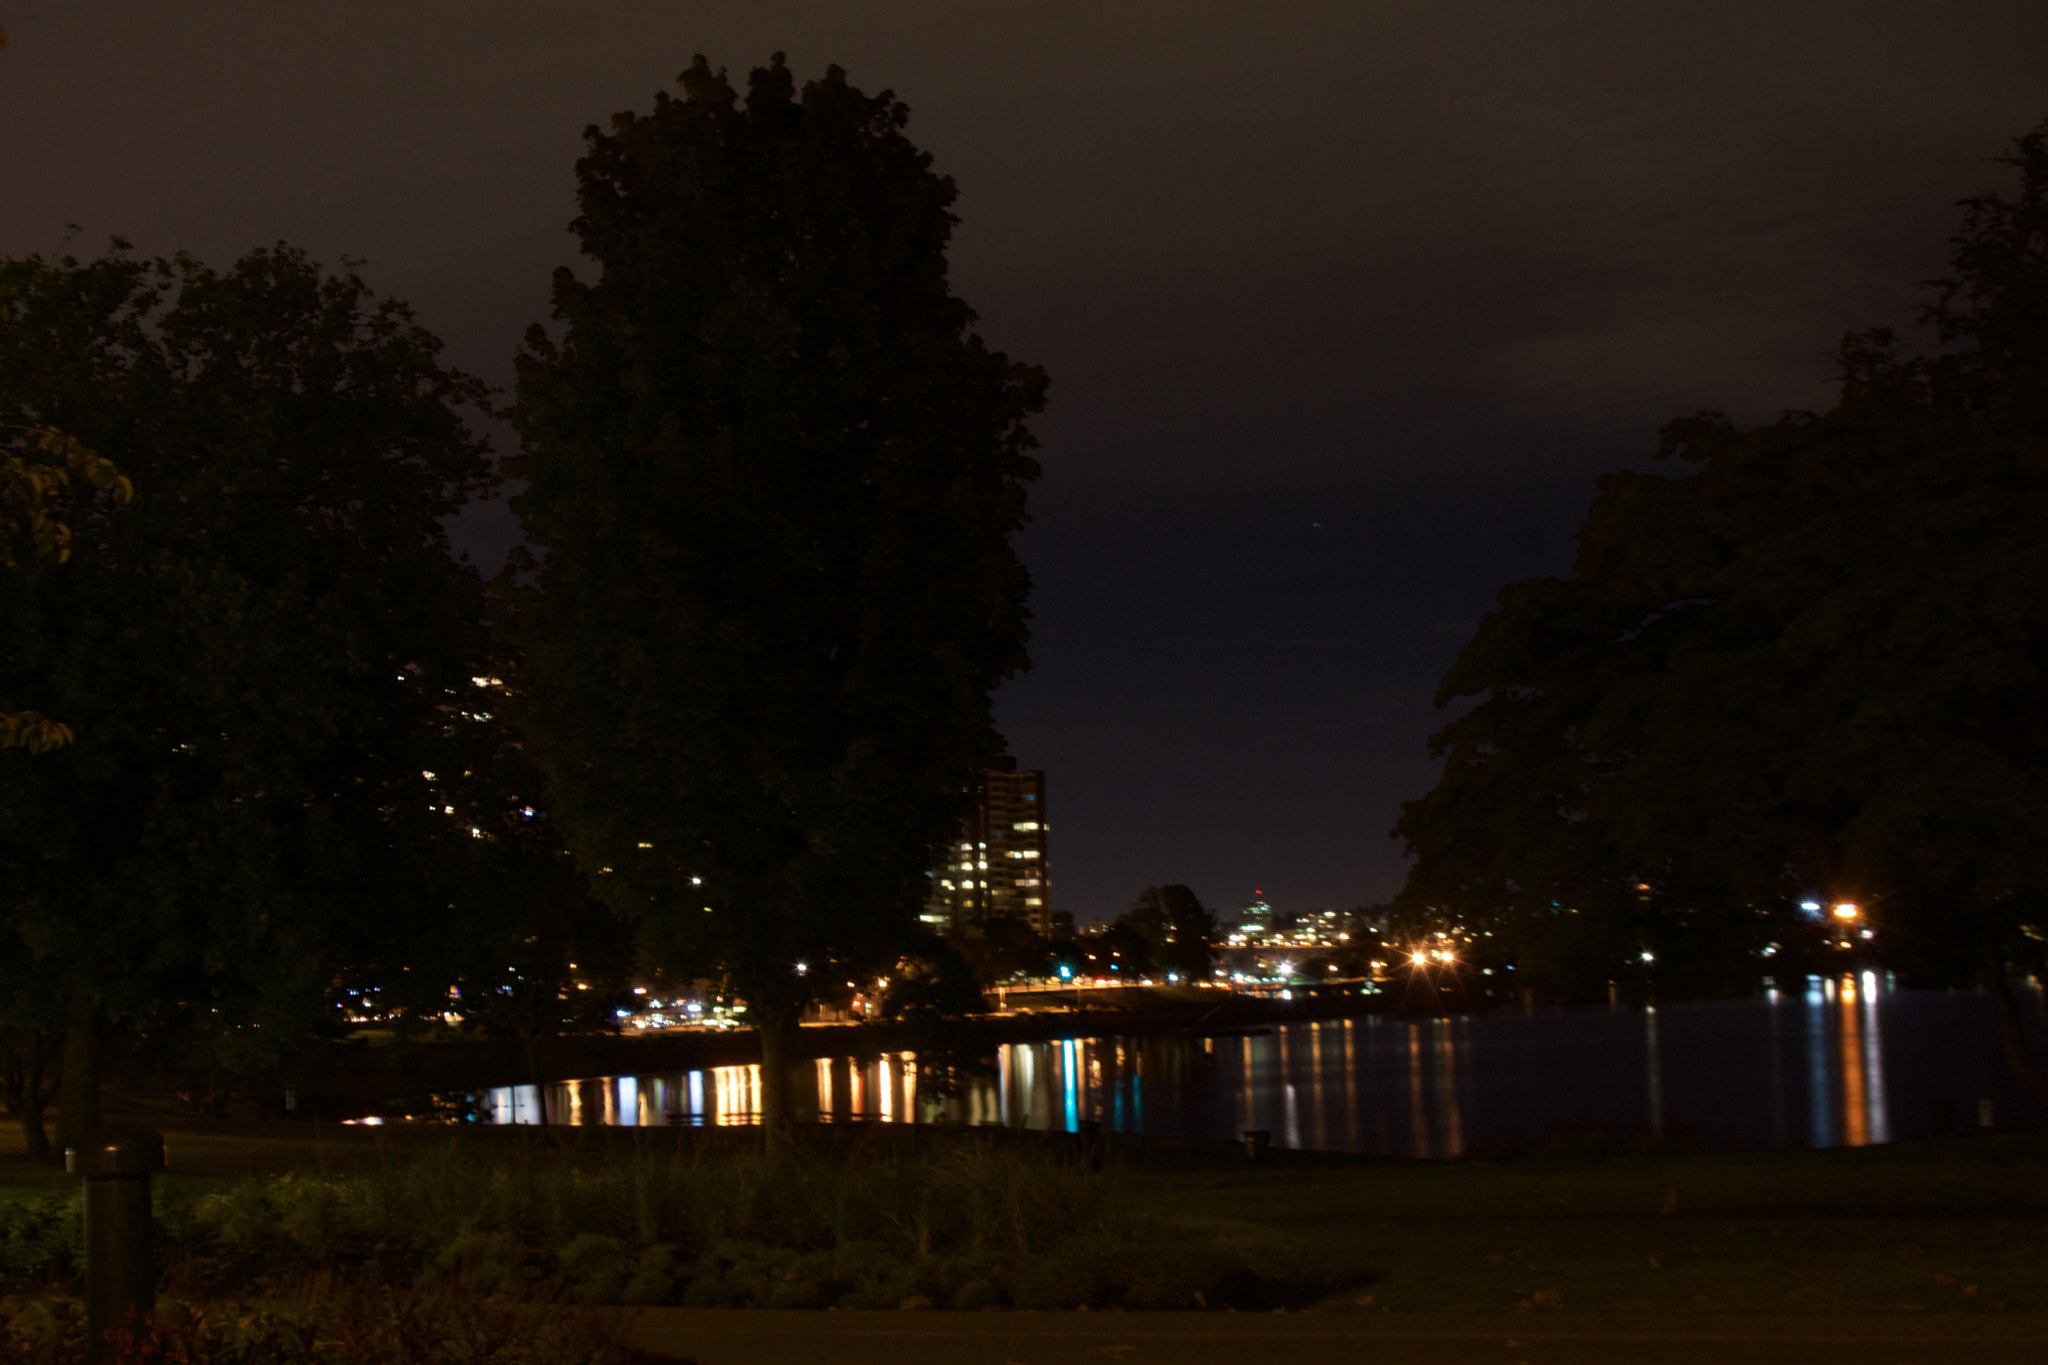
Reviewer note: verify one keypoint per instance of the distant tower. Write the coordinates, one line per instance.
(999, 865)
(1255, 920)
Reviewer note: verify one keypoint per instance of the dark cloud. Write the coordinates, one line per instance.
(1414, 271)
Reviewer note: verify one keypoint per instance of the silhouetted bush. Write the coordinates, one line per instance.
(968, 1225)
(320, 1327)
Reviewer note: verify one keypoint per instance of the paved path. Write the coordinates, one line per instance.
(768, 1337)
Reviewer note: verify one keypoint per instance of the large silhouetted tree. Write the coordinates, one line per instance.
(773, 475)
(268, 659)
(1814, 665)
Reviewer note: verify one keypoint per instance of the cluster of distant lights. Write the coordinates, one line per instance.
(681, 1013)
(1295, 938)
(1847, 912)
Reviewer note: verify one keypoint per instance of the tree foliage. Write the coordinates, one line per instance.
(773, 474)
(264, 659)
(1814, 664)
(1177, 929)
(31, 481)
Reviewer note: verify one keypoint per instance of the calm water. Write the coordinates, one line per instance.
(1840, 1061)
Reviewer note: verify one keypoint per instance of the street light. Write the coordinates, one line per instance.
(1846, 910)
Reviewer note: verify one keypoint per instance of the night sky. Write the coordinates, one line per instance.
(1345, 304)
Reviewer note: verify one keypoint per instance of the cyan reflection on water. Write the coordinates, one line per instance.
(1836, 1061)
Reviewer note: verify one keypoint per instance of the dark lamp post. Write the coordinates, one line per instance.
(120, 1275)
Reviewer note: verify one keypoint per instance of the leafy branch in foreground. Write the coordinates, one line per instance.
(30, 484)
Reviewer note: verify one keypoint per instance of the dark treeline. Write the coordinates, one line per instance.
(1167, 932)
(1808, 670)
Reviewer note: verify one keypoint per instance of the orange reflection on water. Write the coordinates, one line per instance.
(1418, 1110)
(1855, 1080)
(738, 1092)
(1321, 1104)
(1350, 1088)
(1448, 1115)
(1244, 1091)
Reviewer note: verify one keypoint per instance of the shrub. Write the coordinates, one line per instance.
(968, 1225)
(356, 1328)
(39, 1237)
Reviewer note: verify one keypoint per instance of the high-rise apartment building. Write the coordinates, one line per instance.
(999, 864)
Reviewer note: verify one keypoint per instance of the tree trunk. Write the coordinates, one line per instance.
(216, 1098)
(780, 1027)
(78, 1099)
(11, 1040)
(37, 1088)
(2010, 1035)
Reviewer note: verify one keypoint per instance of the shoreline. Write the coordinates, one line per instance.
(364, 1072)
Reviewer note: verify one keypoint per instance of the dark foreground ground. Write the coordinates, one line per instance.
(772, 1338)
(1581, 1250)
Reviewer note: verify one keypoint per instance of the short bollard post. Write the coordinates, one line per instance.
(1256, 1141)
(120, 1275)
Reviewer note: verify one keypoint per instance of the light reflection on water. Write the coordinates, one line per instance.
(1843, 1061)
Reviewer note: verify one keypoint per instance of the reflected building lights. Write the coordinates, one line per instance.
(1654, 1072)
(1450, 1121)
(1290, 1099)
(1318, 1097)
(1248, 1119)
(1352, 1135)
(1779, 1136)
(1855, 1102)
(1005, 1069)
(1819, 1085)
(1418, 1109)
(1873, 1062)
(1326, 1085)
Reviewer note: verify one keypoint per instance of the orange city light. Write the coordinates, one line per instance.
(1845, 910)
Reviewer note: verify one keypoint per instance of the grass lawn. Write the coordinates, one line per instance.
(1955, 1225)
(1942, 1226)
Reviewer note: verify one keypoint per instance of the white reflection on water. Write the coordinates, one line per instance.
(1819, 1082)
(1811, 1064)
(1873, 1063)
(1451, 1118)
(1653, 1078)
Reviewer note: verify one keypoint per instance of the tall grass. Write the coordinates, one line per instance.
(966, 1224)
(358, 1328)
